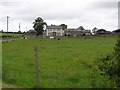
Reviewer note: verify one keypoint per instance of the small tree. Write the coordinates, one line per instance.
(64, 26)
(81, 28)
(39, 25)
(19, 32)
(1, 31)
(94, 30)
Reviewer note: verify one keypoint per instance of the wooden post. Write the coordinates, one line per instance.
(37, 67)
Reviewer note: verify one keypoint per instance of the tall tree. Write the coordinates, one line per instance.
(64, 26)
(39, 25)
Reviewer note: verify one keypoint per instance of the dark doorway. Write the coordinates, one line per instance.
(54, 33)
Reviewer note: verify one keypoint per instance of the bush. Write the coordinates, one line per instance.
(110, 65)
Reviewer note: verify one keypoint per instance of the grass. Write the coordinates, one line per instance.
(4, 85)
(0, 65)
(11, 34)
(62, 63)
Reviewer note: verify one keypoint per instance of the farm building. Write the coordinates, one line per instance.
(116, 31)
(77, 32)
(102, 31)
(53, 30)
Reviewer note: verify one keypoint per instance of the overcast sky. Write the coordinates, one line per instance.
(74, 13)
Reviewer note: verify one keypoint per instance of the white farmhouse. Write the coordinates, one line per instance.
(54, 30)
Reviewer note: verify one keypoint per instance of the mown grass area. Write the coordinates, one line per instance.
(66, 63)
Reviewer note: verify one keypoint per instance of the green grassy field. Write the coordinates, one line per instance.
(66, 63)
(11, 34)
(0, 65)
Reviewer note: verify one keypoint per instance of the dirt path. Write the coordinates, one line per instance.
(4, 85)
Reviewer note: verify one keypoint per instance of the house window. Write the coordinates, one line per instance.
(58, 30)
(49, 30)
(58, 34)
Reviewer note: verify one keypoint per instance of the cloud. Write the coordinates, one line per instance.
(107, 5)
(75, 13)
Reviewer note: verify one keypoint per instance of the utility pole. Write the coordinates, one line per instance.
(19, 27)
(7, 26)
(37, 68)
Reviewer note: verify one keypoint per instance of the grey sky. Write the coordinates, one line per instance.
(74, 13)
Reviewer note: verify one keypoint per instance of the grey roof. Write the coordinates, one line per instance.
(76, 30)
(54, 27)
(71, 29)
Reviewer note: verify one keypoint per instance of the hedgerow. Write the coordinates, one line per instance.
(110, 65)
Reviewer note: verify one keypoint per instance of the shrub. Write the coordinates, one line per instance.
(110, 65)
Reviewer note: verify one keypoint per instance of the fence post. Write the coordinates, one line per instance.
(37, 67)
(94, 70)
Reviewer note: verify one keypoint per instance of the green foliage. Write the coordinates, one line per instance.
(19, 32)
(81, 28)
(10, 35)
(110, 65)
(64, 26)
(117, 49)
(94, 30)
(117, 57)
(39, 25)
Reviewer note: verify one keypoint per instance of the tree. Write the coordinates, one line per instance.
(81, 28)
(94, 30)
(39, 25)
(1, 31)
(64, 26)
(19, 32)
